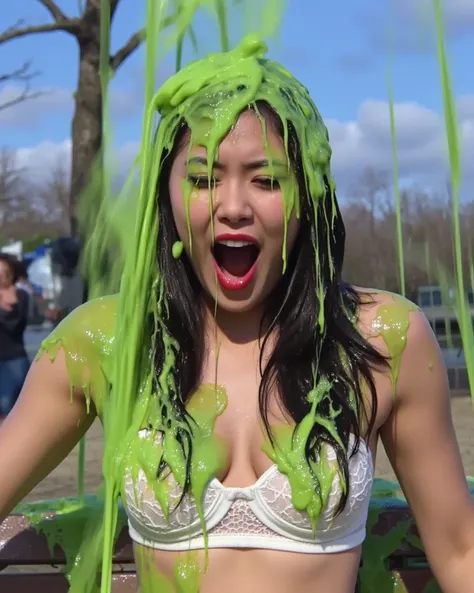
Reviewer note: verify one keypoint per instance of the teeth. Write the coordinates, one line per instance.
(229, 243)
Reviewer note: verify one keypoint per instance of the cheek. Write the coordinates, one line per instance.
(193, 216)
(273, 221)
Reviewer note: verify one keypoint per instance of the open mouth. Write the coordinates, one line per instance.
(235, 262)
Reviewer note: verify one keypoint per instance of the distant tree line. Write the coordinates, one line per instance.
(32, 211)
(427, 236)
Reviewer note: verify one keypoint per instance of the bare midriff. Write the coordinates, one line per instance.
(263, 571)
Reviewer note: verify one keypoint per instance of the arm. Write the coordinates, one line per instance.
(421, 443)
(42, 429)
(17, 315)
(47, 422)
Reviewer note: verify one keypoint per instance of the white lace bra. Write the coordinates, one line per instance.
(257, 516)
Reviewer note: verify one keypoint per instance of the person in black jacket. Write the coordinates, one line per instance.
(14, 306)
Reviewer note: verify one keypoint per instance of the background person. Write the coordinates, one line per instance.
(14, 309)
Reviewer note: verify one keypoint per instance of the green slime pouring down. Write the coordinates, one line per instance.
(110, 343)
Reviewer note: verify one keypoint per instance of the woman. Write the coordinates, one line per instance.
(14, 307)
(251, 383)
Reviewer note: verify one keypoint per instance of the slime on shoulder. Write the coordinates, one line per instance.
(107, 344)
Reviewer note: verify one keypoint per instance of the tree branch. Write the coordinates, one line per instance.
(23, 75)
(113, 7)
(68, 26)
(126, 50)
(133, 43)
(54, 10)
(25, 95)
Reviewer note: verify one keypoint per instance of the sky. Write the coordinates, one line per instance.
(344, 51)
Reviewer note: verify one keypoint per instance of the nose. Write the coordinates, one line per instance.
(232, 203)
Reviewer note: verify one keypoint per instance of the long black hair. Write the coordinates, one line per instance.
(302, 347)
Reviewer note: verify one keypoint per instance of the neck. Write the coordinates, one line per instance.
(229, 328)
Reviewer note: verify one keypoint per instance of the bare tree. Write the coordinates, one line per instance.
(55, 194)
(22, 78)
(87, 119)
(14, 192)
(369, 215)
(11, 178)
(28, 209)
(370, 200)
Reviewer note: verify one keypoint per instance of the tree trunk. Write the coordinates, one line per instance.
(86, 123)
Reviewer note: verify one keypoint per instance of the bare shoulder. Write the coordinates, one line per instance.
(387, 315)
(399, 329)
(92, 325)
(65, 389)
(85, 338)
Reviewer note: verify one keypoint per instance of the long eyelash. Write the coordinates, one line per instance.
(201, 181)
(269, 182)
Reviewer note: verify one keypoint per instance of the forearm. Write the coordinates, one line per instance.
(455, 574)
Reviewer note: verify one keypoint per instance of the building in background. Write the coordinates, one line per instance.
(438, 307)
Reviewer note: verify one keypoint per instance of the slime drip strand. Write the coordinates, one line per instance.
(109, 343)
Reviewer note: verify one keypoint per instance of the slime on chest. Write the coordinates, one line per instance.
(89, 335)
(208, 95)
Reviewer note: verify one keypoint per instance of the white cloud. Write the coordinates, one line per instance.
(421, 144)
(39, 161)
(358, 144)
(51, 101)
(29, 112)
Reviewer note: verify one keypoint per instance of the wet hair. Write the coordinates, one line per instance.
(13, 265)
(301, 350)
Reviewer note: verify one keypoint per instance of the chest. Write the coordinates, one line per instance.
(240, 428)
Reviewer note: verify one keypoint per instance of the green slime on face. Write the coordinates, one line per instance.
(208, 95)
(177, 249)
(210, 103)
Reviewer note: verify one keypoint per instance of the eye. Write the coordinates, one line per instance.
(201, 181)
(268, 183)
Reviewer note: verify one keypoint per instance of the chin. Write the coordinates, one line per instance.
(237, 306)
(238, 301)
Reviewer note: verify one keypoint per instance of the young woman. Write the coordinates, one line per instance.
(14, 308)
(242, 384)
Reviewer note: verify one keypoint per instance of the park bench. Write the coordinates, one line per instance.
(390, 551)
(29, 565)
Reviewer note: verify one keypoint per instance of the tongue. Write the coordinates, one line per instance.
(237, 261)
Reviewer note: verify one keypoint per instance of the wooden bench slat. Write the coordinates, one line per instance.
(21, 544)
(125, 582)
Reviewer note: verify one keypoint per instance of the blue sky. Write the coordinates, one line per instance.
(338, 49)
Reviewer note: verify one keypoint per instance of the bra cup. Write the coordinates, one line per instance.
(146, 515)
(273, 506)
(269, 499)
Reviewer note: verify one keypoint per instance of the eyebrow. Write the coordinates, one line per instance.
(251, 166)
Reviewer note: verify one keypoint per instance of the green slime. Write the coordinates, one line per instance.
(88, 339)
(100, 353)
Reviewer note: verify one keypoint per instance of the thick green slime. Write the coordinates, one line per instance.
(88, 335)
(206, 95)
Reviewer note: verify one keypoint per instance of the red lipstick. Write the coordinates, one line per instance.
(227, 280)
